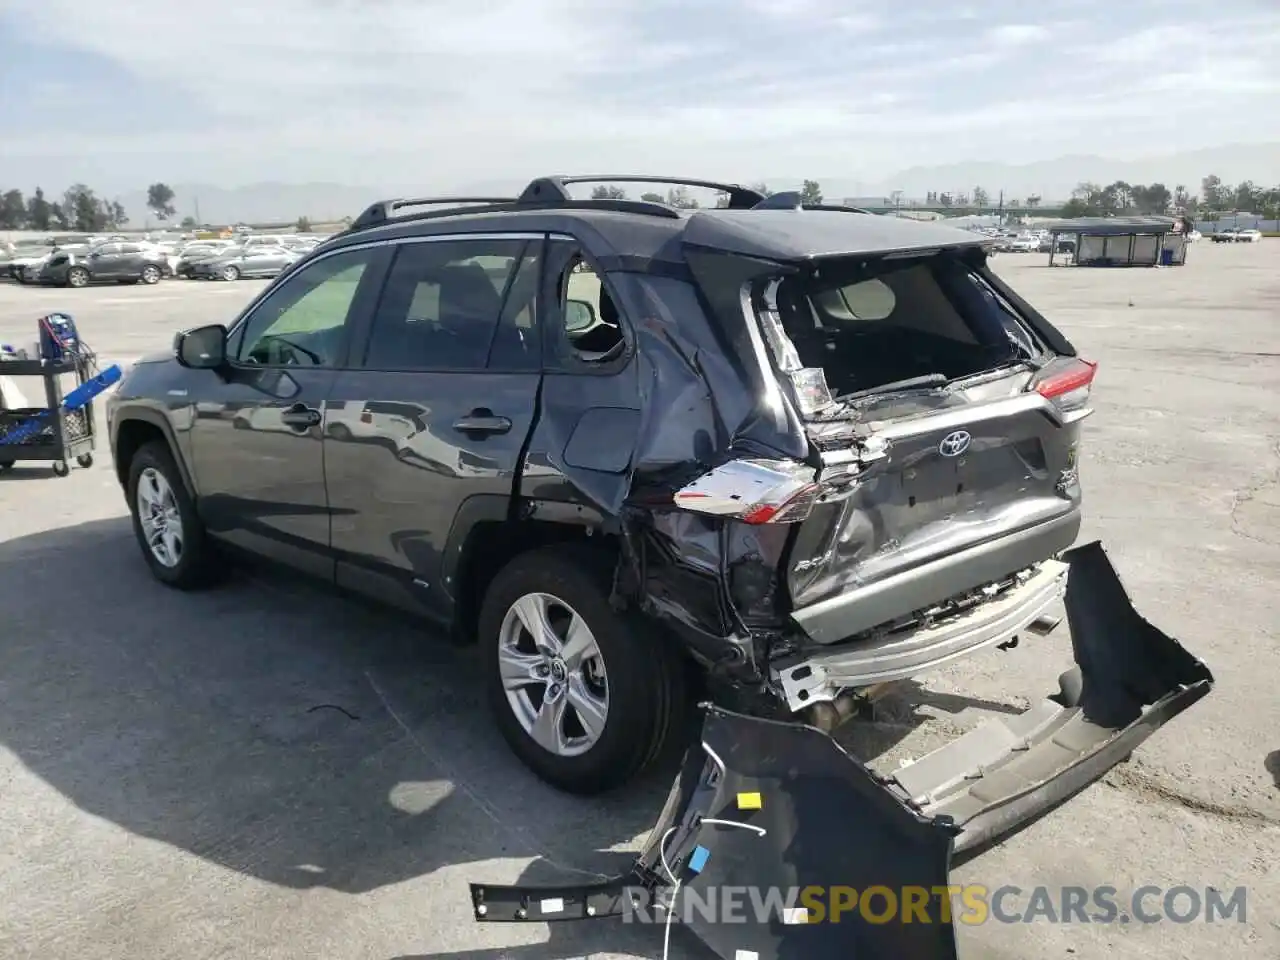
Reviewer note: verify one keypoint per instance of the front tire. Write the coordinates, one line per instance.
(598, 695)
(165, 522)
(150, 275)
(231, 273)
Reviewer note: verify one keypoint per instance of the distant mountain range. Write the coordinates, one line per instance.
(1050, 179)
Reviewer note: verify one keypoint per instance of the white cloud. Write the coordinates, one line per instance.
(1017, 34)
(438, 90)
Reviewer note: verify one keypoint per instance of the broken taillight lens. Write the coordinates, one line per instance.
(753, 491)
(1067, 382)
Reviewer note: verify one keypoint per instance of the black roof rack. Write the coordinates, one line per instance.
(383, 210)
(838, 208)
(553, 188)
(792, 200)
(547, 193)
(788, 200)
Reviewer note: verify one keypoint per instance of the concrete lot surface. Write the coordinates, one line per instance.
(177, 782)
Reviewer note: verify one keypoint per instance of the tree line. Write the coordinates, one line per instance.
(82, 210)
(1087, 200)
(1214, 199)
(79, 208)
(1122, 198)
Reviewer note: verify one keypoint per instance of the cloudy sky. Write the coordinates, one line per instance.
(123, 92)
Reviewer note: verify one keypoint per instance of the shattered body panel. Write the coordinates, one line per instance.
(780, 806)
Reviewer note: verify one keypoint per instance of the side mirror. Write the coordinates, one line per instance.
(579, 315)
(204, 348)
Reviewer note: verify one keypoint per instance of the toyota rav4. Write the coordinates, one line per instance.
(769, 456)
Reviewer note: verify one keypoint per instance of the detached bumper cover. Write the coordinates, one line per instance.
(772, 809)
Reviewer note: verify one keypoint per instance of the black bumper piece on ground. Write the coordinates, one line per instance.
(773, 835)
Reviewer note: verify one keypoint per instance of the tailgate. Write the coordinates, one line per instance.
(942, 483)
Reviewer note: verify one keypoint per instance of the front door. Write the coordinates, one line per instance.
(256, 439)
(431, 425)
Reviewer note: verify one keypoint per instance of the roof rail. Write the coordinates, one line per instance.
(789, 200)
(545, 189)
(383, 210)
(376, 215)
(838, 208)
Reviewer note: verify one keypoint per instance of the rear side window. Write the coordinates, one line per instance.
(442, 303)
(585, 332)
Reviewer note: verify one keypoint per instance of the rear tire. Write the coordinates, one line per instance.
(77, 277)
(194, 563)
(644, 679)
(150, 275)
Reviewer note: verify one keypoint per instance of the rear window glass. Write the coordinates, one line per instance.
(914, 319)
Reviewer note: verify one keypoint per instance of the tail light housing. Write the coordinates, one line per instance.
(753, 491)
(1068, 382)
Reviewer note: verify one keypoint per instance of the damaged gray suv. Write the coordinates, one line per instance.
(767, 457)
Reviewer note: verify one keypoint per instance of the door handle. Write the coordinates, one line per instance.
(482, 420)
(300, 416)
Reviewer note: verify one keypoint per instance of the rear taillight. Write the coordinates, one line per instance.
(1067, 382)
(753, 491)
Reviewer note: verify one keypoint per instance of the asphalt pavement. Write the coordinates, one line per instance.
(266, 770)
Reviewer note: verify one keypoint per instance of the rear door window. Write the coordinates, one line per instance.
(585, 332)
(443, 302)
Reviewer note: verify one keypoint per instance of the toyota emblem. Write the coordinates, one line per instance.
(954, 444)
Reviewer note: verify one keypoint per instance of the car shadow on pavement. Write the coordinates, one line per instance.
(270, 728)
(285, 733)
(1272, 763)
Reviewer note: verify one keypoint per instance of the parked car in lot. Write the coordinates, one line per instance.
(196, 251)
(26, 259)
(771, 457)
(82, 265)
(248, 262)
(1249, 236)
(1229, 235)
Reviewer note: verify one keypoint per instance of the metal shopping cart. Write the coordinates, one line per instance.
(63, 430)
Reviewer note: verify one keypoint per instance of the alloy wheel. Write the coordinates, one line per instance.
(553, 674)
(160, 518)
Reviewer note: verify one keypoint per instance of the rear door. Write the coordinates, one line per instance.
(133, 257)
(106, 261)
(431, 423)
